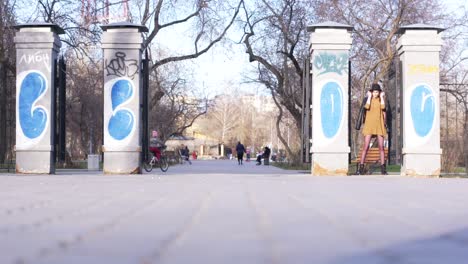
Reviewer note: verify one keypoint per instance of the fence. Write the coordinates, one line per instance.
(7, 117)
(454, 127)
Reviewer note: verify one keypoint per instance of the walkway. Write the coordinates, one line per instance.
(219, 212)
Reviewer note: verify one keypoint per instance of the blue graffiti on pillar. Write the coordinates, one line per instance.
(423, 109)
(121, 122)
(331, 108)
(32, 118)
(330, 62)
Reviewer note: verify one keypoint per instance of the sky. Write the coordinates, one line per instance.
(221, 67)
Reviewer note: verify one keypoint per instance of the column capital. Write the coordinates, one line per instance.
(330, 36)
(419, 37)
(38, 36)
(123, 26)
(40, 27)
(122, 35)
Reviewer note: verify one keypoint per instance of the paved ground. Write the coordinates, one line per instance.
(219, 212)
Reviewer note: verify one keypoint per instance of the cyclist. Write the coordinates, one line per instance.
(156, 145)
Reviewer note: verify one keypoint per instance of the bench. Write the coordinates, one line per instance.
(372, 161)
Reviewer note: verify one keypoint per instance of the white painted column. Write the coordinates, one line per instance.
(122, 46)
(330, 43)
(37, 46)
(419, 48)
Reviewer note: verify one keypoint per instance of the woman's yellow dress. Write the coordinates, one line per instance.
(374, 123)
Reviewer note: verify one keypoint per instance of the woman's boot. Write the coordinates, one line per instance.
(383, 169)
(360, 169)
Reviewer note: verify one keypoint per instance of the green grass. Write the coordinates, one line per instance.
(459, 170)
(393, 168)
(78, 164)
(290, 166)
(306, 166)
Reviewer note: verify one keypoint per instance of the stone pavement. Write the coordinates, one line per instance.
(219, 212)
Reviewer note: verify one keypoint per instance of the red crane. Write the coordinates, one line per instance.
(98, 11)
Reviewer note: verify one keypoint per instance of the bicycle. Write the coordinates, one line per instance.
(163, 164)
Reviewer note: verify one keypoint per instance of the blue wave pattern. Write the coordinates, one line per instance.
(121, 122)
(423, 110)
(32, 122)
(331, 108)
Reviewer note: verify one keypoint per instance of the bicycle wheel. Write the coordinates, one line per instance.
(164, 165)
(148, 165)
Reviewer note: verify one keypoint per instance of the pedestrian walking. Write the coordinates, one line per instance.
(240, 149)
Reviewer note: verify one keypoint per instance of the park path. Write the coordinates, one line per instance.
(207, 167)
(220, 212)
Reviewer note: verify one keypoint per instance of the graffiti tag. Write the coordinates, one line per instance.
(331, 108)
(122, 121)
(327, 62)
(121, 67)
(32, 118)
(422, 68)
(37, 57)
(423, 109)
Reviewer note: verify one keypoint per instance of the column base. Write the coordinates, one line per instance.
(122, 162)
(34, 162)
(421, 165)
(329, 164)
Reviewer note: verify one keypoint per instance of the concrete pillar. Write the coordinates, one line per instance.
(122, 46)
(330, 43)
(222, 150)
(419, 48)
(37, 46)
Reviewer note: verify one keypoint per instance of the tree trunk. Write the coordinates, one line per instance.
(294, 157)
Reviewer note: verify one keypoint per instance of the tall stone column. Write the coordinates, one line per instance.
(37, 46)
(122, 46)
(419, 48)
(330, 43)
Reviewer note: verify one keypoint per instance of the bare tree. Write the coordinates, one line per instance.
(174, 103)
(84, 105)
(274, 37)
(173, 107)
(206, 17)
(224, 115)
(7, 69)
(376, 24)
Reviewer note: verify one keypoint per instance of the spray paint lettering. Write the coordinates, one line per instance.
(121, 67)
(329, 62)
(37, 57)
(122, 120)
(423, 109)
(331, 108)
(32, 118)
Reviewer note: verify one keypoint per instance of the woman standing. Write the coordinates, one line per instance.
(374, 125)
